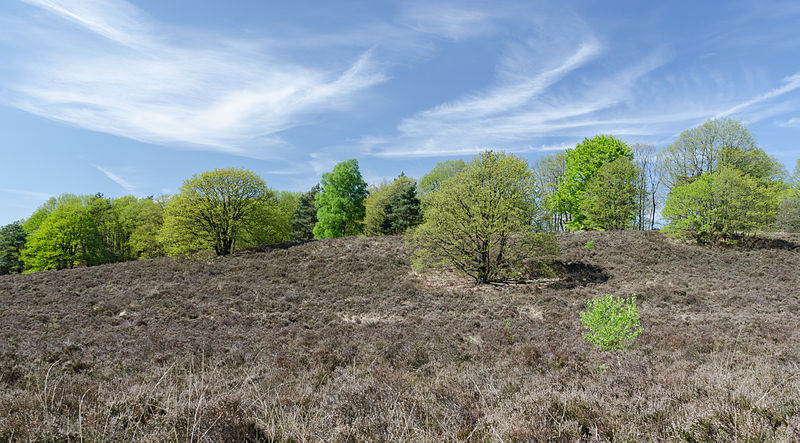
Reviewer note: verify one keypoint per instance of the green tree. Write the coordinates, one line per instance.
(216, 209)
(391, 209)
(66, 237)
(612, 196)
(431, 181)
(340, 205)
(402, 208)
(12, 241)
(712, 145)
(720, 206)
(271, 222)
(305, 216)
(581, 164)
(375, 208)
(479, 221)
(550, 172)
(147, 219)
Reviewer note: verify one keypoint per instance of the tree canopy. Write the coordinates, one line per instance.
(12, 241)
(479, 221)
(581, 164)
(304, 216)
(712, 145)
(340, 205)
(217, 209)
(612, 196)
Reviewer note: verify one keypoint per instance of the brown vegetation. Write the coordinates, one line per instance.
(340, 340)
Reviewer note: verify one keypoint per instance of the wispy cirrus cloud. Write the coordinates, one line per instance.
(127, 75)
(117, 179)
(791, 83)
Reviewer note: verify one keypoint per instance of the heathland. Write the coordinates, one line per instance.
(340, 339)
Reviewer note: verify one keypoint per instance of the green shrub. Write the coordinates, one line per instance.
(613, 322)
(589, 245)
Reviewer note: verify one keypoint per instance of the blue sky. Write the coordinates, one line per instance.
(134, 97)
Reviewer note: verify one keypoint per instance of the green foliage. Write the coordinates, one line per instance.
(340, 205)
(66, 237)
(720, 206)
(271, 220)
(788, 215)
(218, 209)
(305, 216)
(12, 241)
(375, 209)
(589, 245)
(147, 219)
(402, 207)
(613, 322)
(582, 162)
(712, 145)
(612, 196)
(479, 221)
(549, 173)
(432, 181)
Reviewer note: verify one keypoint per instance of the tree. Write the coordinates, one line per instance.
(391, 209)
(581, 164)
(215, 209)
(549, 173)
(12, 241)
(340, 205)
(271, 221)
(66, 237)
(479, 221)
(375, 208)
(305, 216)
(147, 219)
(402, 208)
(650, 163)
(712, 145)
(612, 196)
(431, 181)
(720, 206)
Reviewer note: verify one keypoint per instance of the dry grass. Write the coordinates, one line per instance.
(339, 340)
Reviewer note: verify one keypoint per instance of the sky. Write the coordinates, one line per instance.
(133, 97)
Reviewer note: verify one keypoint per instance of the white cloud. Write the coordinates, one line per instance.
(453, 21)
(28, 194)
(791, 83)
(134, 82)
(791, 123)
(117, 179)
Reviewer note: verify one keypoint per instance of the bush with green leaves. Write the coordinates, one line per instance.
(721, 206)
(613, 322)
(480, 222)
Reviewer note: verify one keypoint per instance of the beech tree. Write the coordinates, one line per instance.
(479, 221)
(67, 236)
(340, 205)
(720, 206)
(612, 196)
(432, 181)
(216, 209)
(712, 145)
(581, 164)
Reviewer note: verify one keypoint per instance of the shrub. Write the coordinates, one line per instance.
(613, 322)
(479, 221)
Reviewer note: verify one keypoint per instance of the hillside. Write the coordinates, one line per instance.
(340, 340)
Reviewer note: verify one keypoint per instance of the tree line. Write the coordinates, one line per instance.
(486, 218)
